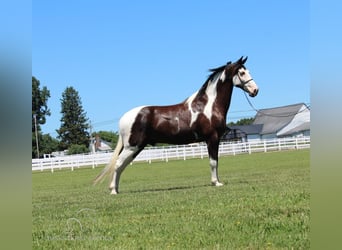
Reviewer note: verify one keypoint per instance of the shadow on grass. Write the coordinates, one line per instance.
(166, 189)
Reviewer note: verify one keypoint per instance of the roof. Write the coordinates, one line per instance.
(300, 122)
(275, 119)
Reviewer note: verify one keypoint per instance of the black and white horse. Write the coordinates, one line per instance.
(201, 117)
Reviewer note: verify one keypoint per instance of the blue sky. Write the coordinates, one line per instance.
(123, 54)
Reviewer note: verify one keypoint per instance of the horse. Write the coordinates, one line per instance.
(199, 118)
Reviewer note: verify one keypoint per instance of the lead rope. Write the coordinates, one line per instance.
(258, 110)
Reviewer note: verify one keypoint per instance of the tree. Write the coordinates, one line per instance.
(244, 121)
(39, 111)
(73, 130)
(77, 149)
(47, 144)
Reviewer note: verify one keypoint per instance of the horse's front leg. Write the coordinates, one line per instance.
(213, 146)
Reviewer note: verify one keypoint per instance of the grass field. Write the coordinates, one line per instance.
(264, 204)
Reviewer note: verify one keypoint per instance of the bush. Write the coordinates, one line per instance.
(77, 149)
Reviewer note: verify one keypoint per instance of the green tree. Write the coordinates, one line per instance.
(39, 111)
(47, 144)
(244, 121)
(73, 130)
(77, 149)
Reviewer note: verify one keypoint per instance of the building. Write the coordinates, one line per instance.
(101, 145)
(243, 133)
(287, 121)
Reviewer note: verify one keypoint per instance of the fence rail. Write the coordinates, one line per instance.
(166, 153)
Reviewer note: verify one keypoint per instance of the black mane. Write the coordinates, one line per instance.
(212, 76)
(217, 70)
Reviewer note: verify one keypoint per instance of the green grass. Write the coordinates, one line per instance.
(263, 204)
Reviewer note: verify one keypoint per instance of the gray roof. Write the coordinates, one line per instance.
(275, 119)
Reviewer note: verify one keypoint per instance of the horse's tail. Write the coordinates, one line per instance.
(109, 169)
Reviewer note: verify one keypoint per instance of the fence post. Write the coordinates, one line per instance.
(149, 156)
(249, 148)
(184, 154)
(93, 161)
(166, 155)
(201, 148)
(265, 147)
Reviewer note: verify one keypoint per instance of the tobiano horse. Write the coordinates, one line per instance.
(200, 118)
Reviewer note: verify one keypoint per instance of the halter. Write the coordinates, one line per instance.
(242, 82)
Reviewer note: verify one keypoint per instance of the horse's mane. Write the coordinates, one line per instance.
(212, 76)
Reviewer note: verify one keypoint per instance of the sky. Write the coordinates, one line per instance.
(123, 54)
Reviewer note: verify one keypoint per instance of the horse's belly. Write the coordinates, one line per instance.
(181, 137)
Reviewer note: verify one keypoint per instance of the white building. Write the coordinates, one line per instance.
(287, 121)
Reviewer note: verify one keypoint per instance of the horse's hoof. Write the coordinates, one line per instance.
(217, 184)
(113, 192)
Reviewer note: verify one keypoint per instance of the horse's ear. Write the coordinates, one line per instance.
(240, 60)
(244, 60)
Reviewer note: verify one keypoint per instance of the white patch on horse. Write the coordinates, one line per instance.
(194, 114)
(223, 76)
(191, 98)
(177, 120)
(214, 175)
(211, 92)
(126, 122)
(244, 79)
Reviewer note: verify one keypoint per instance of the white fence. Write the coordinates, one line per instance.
(166, 153)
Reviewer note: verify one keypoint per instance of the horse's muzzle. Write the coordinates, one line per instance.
(254, 93)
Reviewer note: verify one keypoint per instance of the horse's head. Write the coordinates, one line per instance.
(242, 77)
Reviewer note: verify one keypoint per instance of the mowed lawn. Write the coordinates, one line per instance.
(264, 204)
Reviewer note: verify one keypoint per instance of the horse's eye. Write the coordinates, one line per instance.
(242, 73)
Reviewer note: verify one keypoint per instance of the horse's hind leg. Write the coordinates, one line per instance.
(125, 157)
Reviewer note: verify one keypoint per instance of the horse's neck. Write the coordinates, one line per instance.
(224, 96)
(218, 95)
(211, 89)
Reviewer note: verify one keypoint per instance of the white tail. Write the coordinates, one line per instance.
(109, 169)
